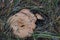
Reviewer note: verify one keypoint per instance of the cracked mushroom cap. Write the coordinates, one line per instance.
(22, 23)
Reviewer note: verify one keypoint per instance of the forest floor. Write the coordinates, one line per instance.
(49, 29)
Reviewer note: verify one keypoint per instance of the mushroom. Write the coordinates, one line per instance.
(22, 23)
(39, 16)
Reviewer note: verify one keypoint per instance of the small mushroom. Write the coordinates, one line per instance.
(39, 16)
(22, 23)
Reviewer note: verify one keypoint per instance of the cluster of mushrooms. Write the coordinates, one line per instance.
(23, 23)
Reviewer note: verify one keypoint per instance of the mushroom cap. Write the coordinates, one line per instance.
(29, 14)
(22, 23)
(39, 16)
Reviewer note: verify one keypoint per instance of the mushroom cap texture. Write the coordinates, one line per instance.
(22, 23)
